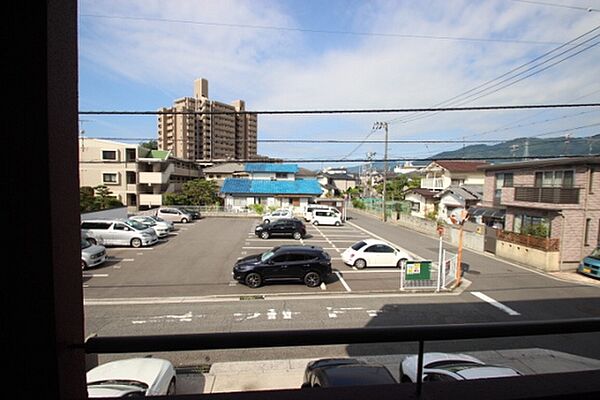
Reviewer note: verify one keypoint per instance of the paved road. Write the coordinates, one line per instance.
(183, 285)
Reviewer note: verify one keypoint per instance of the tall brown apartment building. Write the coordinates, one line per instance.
(207, 136)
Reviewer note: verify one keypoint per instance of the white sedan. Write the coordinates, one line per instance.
(135, 376)
(451, 367)
(277, 214)
(374, 253)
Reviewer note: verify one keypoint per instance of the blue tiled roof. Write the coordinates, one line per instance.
(263, 186)
(270, 167)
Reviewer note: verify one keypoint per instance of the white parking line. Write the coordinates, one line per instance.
(343, 281)
(95, 275)
(495, 303)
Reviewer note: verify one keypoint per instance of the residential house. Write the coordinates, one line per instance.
(272, 185)
(437, 177)
(556, 198)
(336, 181)
(455, 199)
(220, 172)
(137, 176)
(410, 167)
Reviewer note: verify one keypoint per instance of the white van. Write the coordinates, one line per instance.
(118, 233)
(308, 213)
(326, 217)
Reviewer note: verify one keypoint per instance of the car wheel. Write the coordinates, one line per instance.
(172, 387)
(184, 220)
(264, 235)
(337, 223)
(136, 242)
(83, 265)
(405, 379)
(266, 221)
(401, 263)
(253, 280)
(360, 263)
(315, 222)
(297, 235)
(312, 279)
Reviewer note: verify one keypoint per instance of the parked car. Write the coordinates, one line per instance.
(162, 228)
(309, 264)
(374, 253)
(132, 377)
(277, 214)
(118, 233)
(92, 255)
(329, 372)
(590, 265)
(324, 217)
(170, 224)
(174, 215)
(451, 367)
(192, 211)
(308, 212)
(282, 227)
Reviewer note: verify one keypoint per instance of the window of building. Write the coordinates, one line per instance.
(532, 225)
(561, 179)
(109, 155)
(110, 177)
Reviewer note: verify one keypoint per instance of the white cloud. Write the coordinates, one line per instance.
(275, 69)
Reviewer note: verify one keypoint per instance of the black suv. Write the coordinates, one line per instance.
(282, 227)
(310, 264)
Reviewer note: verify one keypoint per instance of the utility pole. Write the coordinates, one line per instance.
(384, 125)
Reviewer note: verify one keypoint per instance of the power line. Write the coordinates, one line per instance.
(458, 98)
(363, 160)
(318, 31)
(347, 111)
(543, 3)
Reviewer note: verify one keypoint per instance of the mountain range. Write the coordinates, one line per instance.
(514, 149)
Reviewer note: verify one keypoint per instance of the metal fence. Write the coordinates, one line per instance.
(425, 275)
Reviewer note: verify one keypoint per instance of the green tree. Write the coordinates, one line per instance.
(197, 192)
(87, 201)
(105, 199)
(151, 144)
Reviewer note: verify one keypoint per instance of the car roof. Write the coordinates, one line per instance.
(299, 248)
(355, 374)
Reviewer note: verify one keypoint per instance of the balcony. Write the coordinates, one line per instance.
(550, 195)
(432, 183)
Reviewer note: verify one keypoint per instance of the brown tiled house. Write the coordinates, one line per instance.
(554, 198)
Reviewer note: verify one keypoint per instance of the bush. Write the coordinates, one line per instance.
(257, 208)
(357, 203)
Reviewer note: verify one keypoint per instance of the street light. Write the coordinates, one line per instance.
(376, 126)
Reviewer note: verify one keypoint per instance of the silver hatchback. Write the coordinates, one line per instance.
(92, 255)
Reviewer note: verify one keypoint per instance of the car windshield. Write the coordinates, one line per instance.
(85, 243)
(157, 219)
(358, 245)
(127, 382)
(595, 254)
(453, 366)
(266, 255)
(137, 225)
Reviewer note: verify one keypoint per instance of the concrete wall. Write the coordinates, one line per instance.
(113, 213)
(547, 261)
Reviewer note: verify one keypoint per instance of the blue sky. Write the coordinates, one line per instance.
(277, 55)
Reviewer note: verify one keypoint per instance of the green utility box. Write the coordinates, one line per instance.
(418, 270)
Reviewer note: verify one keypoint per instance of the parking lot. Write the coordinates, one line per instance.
(197, 259)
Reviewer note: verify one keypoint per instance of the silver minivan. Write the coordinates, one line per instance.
(111, 232)
(174, 215)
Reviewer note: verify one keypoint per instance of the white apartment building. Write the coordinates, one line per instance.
(137, 176)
